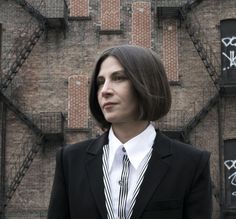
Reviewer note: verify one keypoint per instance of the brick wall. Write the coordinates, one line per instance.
(79, 8)
(0, 48)
(110, 14)
(170, 48)
(141, 24)
(43, 81)
(78, 101)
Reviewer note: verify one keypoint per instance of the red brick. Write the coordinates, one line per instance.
(141, 24)
(78, 101)
(79, 8)
(110, 15)
(170, 49)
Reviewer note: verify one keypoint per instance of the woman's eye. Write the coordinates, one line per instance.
(119, 78)
(100, 82)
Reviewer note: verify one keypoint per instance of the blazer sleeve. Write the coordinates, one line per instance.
(59, 203)
(198, 203)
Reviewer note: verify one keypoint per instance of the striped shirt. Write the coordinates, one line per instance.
(138, 150)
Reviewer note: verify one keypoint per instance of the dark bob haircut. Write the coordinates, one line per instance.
(147, 75)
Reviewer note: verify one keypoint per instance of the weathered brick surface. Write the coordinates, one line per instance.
(110, 15)
(43, 84)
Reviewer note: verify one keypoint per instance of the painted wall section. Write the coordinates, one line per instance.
(141, 24)
(79, 8)
(170, 49)
(110, 15)
(78, 101)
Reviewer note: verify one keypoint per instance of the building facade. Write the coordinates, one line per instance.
(47, 52)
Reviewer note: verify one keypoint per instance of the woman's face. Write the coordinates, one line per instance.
(116, 95)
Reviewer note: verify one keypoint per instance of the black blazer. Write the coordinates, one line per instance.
(176, 185)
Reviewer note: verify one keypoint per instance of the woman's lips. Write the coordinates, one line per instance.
(108, 105)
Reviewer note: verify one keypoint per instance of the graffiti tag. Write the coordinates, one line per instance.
(231, 164)
(229, 41)
(231, 58)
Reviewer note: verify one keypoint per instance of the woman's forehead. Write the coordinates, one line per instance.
(110, 65)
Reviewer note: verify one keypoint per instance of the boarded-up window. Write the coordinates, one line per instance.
(230, 172)
(141, 24)
(78, 102)
(228, 50)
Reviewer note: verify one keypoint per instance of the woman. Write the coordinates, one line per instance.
(132, 170)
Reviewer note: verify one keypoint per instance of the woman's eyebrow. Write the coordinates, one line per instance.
(119, 72)
(113, 73)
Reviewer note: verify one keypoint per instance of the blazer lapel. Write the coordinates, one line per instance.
(156, 171)
(95, 173)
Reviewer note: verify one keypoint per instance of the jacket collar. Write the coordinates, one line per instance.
(156, 171)
(162, 144)
(96, 145)
(95, 172)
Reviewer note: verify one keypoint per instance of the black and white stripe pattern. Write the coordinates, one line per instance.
(107, 187)
(123, 188)
(139, 182)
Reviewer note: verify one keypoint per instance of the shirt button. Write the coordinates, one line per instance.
(123, 149)
(120, 182)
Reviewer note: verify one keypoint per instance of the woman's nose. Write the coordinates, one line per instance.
(106, 88)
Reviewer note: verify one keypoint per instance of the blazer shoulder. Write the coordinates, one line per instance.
(92, 145)
(191, 153)
(185, 151)
(83, 145)
(188, 148)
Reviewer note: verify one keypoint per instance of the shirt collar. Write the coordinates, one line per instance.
(136, 148)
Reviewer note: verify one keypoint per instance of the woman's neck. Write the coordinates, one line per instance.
(125, 131)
